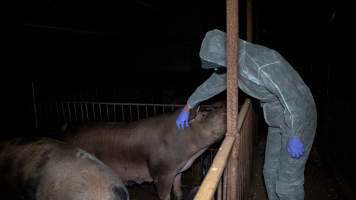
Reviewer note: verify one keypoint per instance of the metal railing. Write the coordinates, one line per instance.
(55, 114)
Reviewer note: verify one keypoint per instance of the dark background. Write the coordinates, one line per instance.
(144, 50)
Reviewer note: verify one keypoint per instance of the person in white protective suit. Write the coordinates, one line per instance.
(288, 107)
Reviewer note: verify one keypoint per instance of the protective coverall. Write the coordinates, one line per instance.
(288, 107)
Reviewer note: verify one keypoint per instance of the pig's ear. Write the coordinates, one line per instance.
(194, 112)
(197, 114)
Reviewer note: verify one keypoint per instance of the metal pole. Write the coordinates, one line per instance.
(232, 67)
(34, 106)
(232, 89)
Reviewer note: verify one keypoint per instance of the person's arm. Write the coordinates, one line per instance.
(215, 84)
(186, 108)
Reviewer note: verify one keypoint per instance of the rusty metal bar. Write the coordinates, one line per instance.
(232, 89)
(234, 184)
(232, 66)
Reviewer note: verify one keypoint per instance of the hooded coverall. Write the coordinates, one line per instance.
(288, 107)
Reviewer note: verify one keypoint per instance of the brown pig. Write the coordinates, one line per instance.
(37, 168)
(153, 149)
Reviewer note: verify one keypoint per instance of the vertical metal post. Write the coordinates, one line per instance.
(82, 112)
(69, 112)
(75, 111)
(34, 106)
(232, 66)
(138, 111)
(115, 113)
(107, 112)
(232, 89)
(101, 116)
(122, 113)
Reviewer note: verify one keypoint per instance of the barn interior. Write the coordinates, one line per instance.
(61, 55)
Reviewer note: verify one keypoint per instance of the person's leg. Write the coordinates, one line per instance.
(290, 182)
(271, 164)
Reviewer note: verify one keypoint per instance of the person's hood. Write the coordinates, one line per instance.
(212, 51)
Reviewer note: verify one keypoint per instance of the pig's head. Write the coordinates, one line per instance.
(211, 121)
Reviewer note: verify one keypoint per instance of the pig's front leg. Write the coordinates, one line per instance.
(164, 185)
(177, 187)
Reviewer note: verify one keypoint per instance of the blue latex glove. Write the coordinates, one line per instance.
(182, 119)
(295, 147)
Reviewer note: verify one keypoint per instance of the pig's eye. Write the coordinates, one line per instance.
(203, 114)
